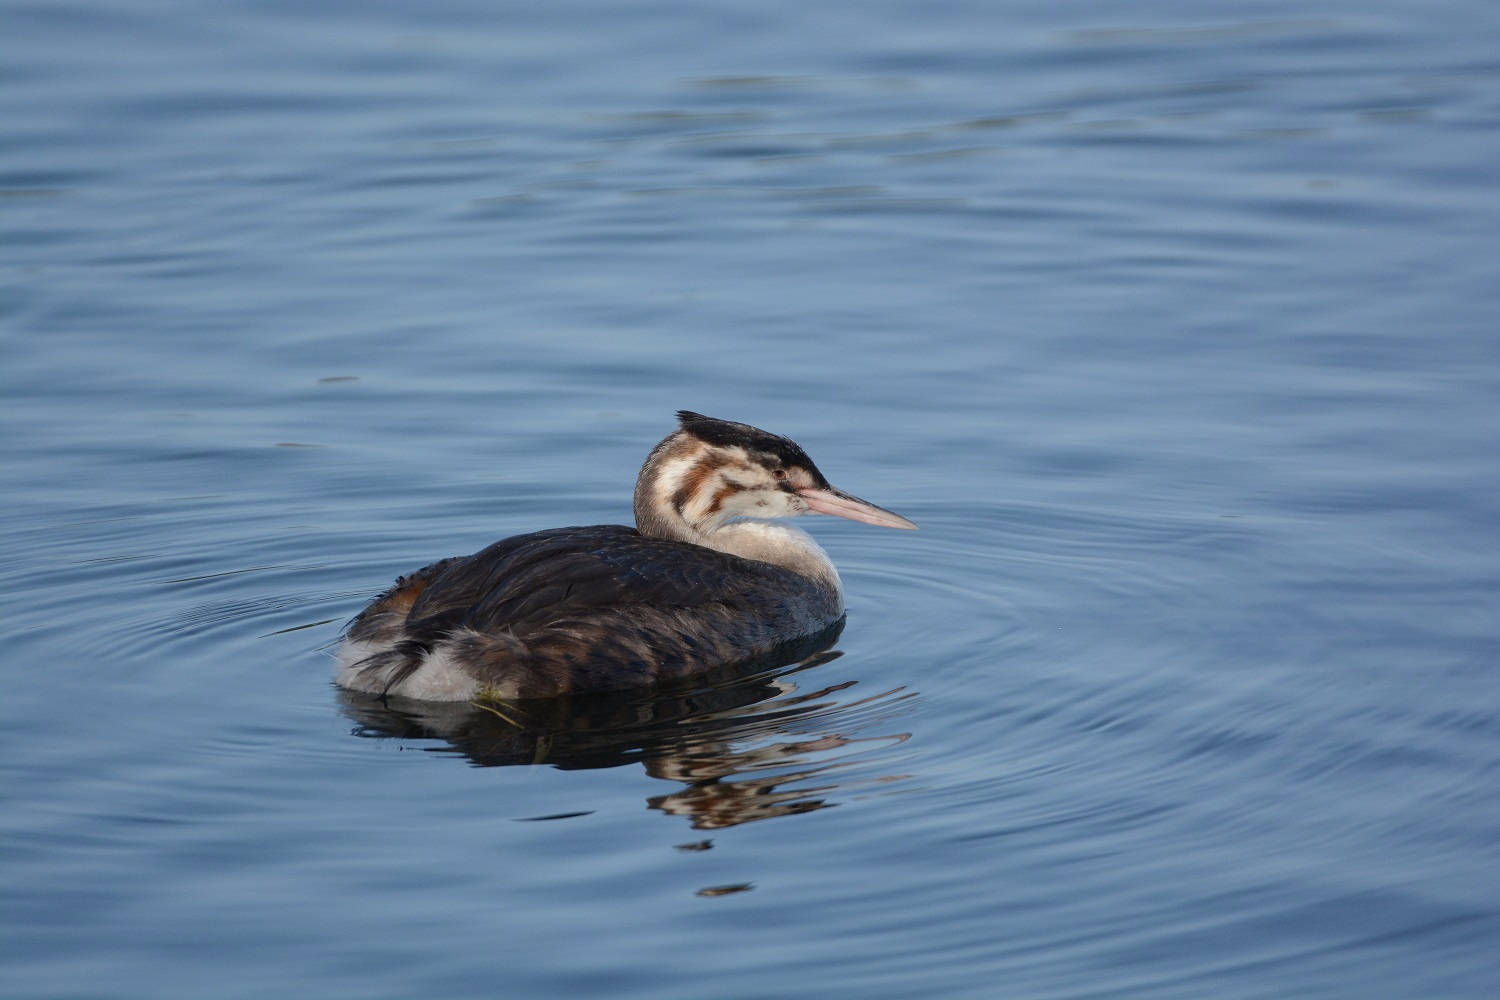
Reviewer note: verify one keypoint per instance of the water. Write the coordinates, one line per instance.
(1173, 327)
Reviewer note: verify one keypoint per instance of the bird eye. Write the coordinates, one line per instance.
(779, 473)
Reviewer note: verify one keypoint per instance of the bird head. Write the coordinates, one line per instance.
(710, 471)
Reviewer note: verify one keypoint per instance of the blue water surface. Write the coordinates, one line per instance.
(1173, 326)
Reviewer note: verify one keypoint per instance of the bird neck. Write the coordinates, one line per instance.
(778, 544)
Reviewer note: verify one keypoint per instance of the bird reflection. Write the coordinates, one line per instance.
(744, 746)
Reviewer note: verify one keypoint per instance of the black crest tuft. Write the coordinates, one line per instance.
(773, 448)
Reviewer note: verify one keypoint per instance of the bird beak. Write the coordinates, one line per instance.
(841, 504)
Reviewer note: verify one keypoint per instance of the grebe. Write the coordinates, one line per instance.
(702, 581)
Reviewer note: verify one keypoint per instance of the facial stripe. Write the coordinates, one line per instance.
(722, 494)
(694, 479)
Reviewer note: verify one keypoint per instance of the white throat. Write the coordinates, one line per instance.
(778, 544)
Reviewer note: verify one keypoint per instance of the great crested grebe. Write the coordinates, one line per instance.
(700, 582)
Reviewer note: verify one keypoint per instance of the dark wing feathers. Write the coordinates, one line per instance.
(525, 582)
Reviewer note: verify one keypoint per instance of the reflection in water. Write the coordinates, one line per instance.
(743, 746)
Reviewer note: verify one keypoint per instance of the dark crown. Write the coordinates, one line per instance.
(773, 449)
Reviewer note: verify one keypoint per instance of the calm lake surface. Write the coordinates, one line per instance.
(1174, 326)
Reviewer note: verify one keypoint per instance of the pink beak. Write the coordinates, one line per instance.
(843, 505)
